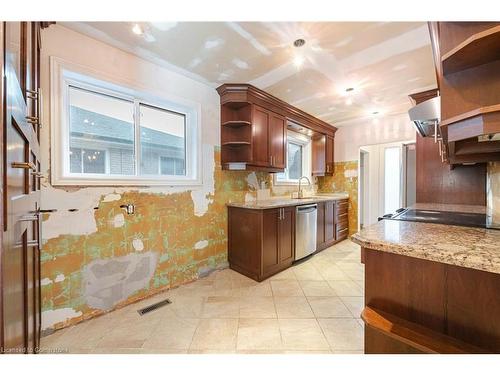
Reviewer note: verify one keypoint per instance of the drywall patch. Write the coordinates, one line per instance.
(137, 244)
(350, 173)
(201, 244)
(111, 197)
(109, 281)
(59, 278)
(252, 181)
(51, 317)
(45, 281)
(203, 197)
(119, 221)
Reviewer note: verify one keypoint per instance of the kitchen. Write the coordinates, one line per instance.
(251, 188)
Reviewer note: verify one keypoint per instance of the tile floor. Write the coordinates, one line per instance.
(313, 307)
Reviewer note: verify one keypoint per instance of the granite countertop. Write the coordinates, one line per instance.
(476, 248)
(283, 202)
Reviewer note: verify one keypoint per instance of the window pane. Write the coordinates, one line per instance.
(163, 149)
(294, 161)
(392, 179)
(100, 125)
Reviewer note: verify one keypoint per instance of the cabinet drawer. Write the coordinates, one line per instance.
(342, 233)
(341, 216)
(342, 224)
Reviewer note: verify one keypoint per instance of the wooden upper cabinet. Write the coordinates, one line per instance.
(277, 141)
(253, 129)
(260, 137)
(467, 55)
(329, 155)
(322, 155)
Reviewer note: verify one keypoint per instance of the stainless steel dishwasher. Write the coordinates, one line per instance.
(305, 230)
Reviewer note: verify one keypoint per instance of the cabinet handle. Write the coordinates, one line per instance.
(23, 165)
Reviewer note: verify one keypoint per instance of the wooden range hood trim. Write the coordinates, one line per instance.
(251, 94)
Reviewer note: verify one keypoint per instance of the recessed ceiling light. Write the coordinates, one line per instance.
(137, 29)
(298, 61)
(299, 43)
(349, 89)
(375, 112)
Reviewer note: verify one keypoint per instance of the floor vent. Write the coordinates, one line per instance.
(154, 306)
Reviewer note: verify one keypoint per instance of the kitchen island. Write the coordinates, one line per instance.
(430, 288)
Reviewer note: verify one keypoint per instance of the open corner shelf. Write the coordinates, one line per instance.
(480, 48)
(236, 123)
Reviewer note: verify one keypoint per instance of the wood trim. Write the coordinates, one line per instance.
(473, 113)
(414, 335)
(246, 93)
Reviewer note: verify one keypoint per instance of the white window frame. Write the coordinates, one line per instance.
(64, 74)
(305, 142)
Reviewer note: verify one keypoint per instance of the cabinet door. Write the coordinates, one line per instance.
(260, 136)
(320, 231)
(270, 242)
(277, 140)
(329, 221)
(286, 236)
(318, 155)
(329, 155)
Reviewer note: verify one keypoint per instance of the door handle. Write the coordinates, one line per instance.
(23, 165)
(32, 119)
(47, 211)
(35, 95)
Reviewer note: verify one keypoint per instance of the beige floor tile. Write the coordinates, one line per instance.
(302, 334)
(346, 288)
(262, 289)
(328, 307)
(293, 307)
(212, 351)
(343, 334)
(307, 352)
(287, 274)
(259, 334)
(221, 307)
(257, 307)
(261, 352)
(130, 333)
(306, 271)
(316, 288)
(286, 288)
(354, 304)
(332, 272)
(219, 334)
(187, 306)
(172, 333)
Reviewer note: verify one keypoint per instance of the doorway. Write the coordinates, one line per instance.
(386, 179)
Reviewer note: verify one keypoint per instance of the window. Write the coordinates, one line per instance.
(107, 134)
(297, 159)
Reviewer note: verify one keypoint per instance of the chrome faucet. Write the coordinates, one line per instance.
(301, 193)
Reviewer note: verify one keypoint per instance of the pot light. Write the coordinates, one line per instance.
(298, 61)
(299, 43)
(349, 90)
(137, 29)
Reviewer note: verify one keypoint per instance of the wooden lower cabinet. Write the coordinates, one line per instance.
(261, 243)
(333, 224)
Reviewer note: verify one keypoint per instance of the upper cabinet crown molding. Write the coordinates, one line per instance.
(246, 93)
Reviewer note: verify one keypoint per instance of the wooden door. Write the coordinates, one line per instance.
(21, 194)
(329, 155)
(277, 140)
(270, 241)
(318, 155)
(260, 136)
(286, 236)
(329, 222)
(320, 231)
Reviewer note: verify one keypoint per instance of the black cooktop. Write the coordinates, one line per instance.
(441, 217)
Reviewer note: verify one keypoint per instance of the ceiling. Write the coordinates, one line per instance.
(382, 61)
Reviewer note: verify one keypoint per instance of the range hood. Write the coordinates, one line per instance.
(426, 116)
